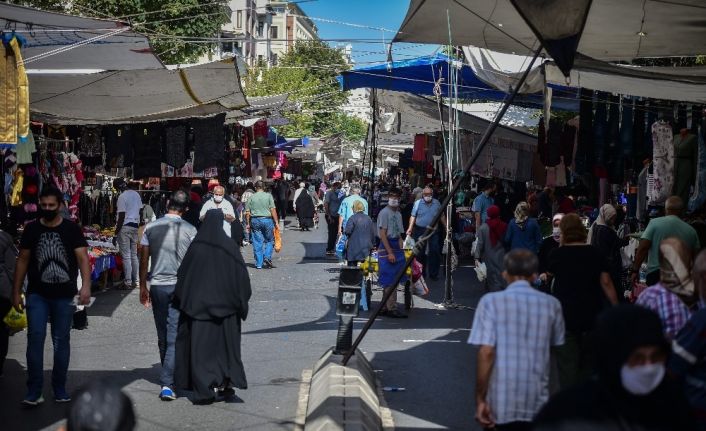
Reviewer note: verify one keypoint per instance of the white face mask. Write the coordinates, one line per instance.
(217, 199)
(556, 232)
(394, 203)
(642, 379)
(428, 199)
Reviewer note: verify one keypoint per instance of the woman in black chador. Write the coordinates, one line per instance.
(212, 294)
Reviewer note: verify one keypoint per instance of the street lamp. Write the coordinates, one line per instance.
(347, 306)
(558, 24)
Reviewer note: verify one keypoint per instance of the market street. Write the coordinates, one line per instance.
(291, 324)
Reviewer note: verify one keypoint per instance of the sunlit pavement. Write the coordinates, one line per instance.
(292, 322)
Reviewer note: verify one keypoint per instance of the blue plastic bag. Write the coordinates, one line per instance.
(341, 246)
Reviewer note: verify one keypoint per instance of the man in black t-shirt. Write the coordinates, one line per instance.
(52, 250)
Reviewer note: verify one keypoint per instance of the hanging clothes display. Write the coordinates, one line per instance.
(584, 150)
(699, 196)
(25, 149)
(663, 162)
(175, 145)
(614, 152)
(641, 205)
(651, 118)
(561, 173)
(118, 148)
(209, 141)
(90, 143)
(148, 151)
(554, 139)
(638, 133)
(682, 122)
(419, 151)
(14, 86)
(600, 130)
(568, 142)
(542, 148)
(686, 154)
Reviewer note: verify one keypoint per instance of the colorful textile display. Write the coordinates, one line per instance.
(14, 90)
(663, 162)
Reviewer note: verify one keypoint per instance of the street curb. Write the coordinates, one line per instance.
(344, 398)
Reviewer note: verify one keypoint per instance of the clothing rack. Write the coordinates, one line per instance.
(61, 145)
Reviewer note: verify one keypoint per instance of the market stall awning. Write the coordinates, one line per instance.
(615, 29)
(687, 84)
(423, 74)
(417, 114)
(62, 42)
(137, 95)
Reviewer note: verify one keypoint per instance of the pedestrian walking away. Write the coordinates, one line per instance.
(128, 208)
(305, 209)
(360, 231)
(671, 225)
(673, 298)
(482, 202)
(165, 242)
(491, 250)
(510, 392)
(261, 216)
(332, 202)
(345, 211)
(8, 259)
(212, 293)
(523, 231)
(52, 250)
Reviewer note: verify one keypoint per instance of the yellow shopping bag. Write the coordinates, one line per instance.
(15, 320)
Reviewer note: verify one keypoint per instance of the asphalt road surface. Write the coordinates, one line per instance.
(292, 322)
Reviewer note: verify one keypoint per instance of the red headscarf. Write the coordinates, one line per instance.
(497, 226)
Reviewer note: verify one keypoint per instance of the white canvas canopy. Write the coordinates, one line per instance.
(615, 29)
(137, 95)
(687, 84)
(57, 41)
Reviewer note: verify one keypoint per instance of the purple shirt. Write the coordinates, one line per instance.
(671, 310)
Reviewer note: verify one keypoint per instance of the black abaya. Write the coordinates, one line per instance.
(212, 293)
(305, 210)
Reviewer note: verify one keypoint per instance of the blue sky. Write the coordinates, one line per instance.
(387, 14)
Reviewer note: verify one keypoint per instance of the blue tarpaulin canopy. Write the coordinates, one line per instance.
(420, 75)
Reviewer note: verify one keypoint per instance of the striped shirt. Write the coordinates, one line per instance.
(522, 324)
(671, 310)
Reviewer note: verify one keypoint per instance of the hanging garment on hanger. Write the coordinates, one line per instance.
(148, 151)
(568, 142)
(554, 138)
(686, 155)
(627, 129)
(175, 145)
(561, 174)
(638, 133)
(699, 196)
(641, 206)
(663, 161)
(419, 151)
(651, 118)
(209, 142)
(118, 148)
(25, 149)
(681, 118)
(614, 151)
(584, 147)
(600, 130)
(551, 176)
(90, 143)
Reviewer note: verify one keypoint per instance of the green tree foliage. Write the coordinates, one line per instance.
(308, 74)
(173, 26)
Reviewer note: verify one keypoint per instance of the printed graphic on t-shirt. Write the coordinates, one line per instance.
(52, 259)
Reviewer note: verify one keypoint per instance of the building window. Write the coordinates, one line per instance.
(274, 59)
(260, 29)
(260, 61)
(227, 47)
(239, 19)
(273, 30)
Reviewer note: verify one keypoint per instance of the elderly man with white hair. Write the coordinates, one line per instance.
(345, 210)
(218, 201)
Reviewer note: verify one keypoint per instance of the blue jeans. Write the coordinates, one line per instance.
(40, 311)
(166, 319)
(431, 259)
(263, 238)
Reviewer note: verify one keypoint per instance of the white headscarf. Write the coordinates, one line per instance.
(607, 212)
